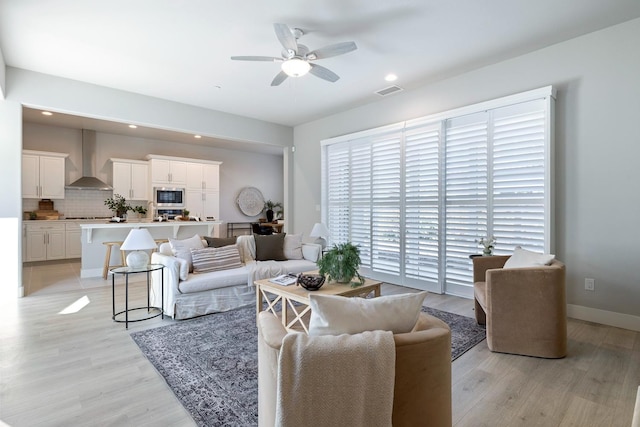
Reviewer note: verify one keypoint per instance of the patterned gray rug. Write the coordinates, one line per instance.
(210, 362)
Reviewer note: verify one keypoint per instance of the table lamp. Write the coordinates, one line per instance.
(138, 241)
(320, 231)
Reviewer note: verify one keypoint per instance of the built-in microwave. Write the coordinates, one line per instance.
(168, 197)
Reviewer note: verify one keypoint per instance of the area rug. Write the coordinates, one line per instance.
(211, 362)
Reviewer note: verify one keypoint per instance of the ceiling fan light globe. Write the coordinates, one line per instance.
(296, 67)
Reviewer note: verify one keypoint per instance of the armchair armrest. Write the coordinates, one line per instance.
(483, 263)
(270, 336)
(271, 329)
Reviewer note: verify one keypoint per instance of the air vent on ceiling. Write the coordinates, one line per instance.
(389, 90)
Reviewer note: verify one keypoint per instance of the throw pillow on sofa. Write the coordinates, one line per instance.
(182, 249)
(293, 246)
(335, 315)
(215, 259)
(270, 247)
(218, 242)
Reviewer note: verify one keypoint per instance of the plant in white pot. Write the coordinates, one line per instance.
(340, 263)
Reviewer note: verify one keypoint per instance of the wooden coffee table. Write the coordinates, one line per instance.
(272, 293)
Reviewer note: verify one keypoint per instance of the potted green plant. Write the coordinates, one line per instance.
(269, 206)
(118, 204)
(140, 210)
(185, 215)
(340, 263)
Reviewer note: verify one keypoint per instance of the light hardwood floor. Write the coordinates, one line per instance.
(82, 369)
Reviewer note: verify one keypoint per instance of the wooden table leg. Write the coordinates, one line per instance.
(258, 301)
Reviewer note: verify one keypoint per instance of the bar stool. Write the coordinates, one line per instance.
(107, 258)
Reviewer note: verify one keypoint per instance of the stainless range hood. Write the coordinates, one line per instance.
(88, 180)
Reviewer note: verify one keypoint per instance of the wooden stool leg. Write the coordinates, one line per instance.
(107, 259)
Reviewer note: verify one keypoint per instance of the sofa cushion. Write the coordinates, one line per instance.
(270, 247)
(182, 249)
(293, 246)
(218, 242)
(213, 280)
(215, 259)
(523, 258)
(335, 315)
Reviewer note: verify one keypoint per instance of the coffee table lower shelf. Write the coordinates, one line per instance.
(294, 300)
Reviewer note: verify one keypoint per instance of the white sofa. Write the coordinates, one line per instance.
(216, 291)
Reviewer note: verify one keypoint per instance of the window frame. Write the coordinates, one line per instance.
(547, 94)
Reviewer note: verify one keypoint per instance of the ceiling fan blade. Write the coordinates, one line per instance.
(279, 78)
(333, 50)
(324, 73)
(286, 37)
(256, 58)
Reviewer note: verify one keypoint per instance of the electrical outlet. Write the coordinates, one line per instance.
(589, 284)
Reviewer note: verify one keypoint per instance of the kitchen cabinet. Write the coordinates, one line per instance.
(45, 241)
(167, 172)
(131, 179)
(43, 175)
(205, 204)
(203, 189)
(73, 240)
(203, 176)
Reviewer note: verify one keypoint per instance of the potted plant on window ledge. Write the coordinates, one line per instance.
(340, 263)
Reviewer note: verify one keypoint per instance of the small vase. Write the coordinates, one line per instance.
(486, 252)
(269, 215)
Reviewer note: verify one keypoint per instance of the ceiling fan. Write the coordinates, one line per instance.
(297, 59)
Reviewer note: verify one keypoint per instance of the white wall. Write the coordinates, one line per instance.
(239, 169)
(11, 193)
(597, 152)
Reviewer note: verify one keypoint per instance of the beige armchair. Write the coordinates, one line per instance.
(524, 309)
(422, 393)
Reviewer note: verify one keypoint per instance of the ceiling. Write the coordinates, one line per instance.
(181, 51)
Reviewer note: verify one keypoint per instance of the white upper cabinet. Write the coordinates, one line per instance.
(131, 179)
(43, 175)
(203, 176)
(168, 172)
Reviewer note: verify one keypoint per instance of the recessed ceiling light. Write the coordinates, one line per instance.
(197, 136)
(133, 126)
(47, 113)
(391, 77)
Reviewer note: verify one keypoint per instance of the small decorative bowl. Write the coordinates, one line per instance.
(311, 282)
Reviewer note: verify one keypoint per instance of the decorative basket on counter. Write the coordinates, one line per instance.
(311, 282)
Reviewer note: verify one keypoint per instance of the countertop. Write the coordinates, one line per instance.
(110, 227)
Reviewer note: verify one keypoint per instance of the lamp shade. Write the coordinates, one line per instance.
(138, 240)
(319, 230)
(296, 67)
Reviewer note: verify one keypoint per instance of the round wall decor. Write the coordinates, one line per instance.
(250, 201)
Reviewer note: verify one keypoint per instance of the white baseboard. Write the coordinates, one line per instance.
(610, 318)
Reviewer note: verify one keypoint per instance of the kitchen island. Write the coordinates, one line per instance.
(96, 233)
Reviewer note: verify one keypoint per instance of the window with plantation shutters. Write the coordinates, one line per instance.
(416, 196)
(518, 176)
(421, 205)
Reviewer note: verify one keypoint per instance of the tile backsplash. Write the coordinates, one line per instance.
(79, 203)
